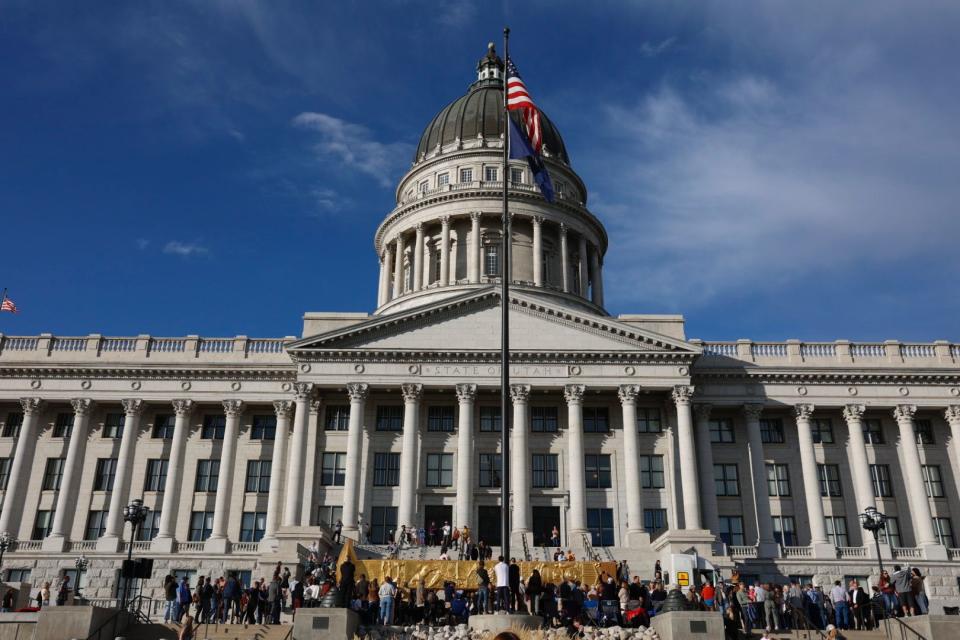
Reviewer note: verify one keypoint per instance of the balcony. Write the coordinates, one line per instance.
(840, 353)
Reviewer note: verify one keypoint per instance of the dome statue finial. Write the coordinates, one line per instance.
(490, 66)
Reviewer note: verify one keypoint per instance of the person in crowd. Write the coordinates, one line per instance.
(64, 591)
(888, 592)
(43, 596)
(516, 598)
(859, 605)
(187, 631)
(534, 592)
(483, 589)
(9, 600)
(901, 583)
(387, 593)
(919, 593)
(555, 537)
(338, 531)
(744, 604)
(253, 603)
(708, 596)
(840, 599)
(274, 599)
(183, 599)
(347, 583)
(170, 599)
(502, 573)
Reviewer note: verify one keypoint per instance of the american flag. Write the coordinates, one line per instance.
(7, 305)
(519, 99)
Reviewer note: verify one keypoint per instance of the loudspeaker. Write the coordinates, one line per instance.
(144, 568)
(129, 569)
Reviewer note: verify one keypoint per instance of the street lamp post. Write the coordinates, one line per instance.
(6, 541)
(875, 522)
(81, 565)
(134, 513)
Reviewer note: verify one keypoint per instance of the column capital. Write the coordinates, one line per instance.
(563, 229)
(475, 215)
(574, 393)
(358, 391)
(682, 393)
(31, 405)
(519, 392)
(854, 412)
(132, 406)
(315, 404)
(419, 228)
(466, 392)
(412, 391)
(702, 410)
(904, 412)
(82, 406)
(628, 393)
(753, 410)
(445, 221)
(233, 408)
(302, 390)
(183, 407)
(537, 220)
(952, 414)
(283, 408)
(803, 411)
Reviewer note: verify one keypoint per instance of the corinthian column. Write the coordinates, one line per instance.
(859, 467)
(72, 468)
(12, 514)
(132, 408)
(408, 456)
(466, 394)
(631, 453)
(302, 392)
(766, 543)
(164, 542)
(919, 503)
(388, 293)
(811, 483)
(283, 409)
(564, 258)
(688, 458)
(444, 251)
(952, 414)
(351, 490)
(418, 258)
(519, 461)
(475, 257)
(398, 269)
(708, 489)
(578, 485)
(583, 267)
(538, 251)
(217, 542)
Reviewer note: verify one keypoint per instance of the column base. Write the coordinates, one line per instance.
(54, 544)
(575, 538)
(772, 550)
(638, 538)
(269, 545)
(216, 545)
(823, 550)
(109, 544)
(683, 540)
(934, 552)
(163, 545)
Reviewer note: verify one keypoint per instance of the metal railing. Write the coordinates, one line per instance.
(526, 548)
(894, 627)
(588, 547)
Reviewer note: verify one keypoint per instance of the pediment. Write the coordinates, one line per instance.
(471, 323)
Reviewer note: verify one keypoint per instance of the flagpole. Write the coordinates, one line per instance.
(505, 275)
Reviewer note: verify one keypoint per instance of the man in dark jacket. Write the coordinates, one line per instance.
(516, 601)
(347, 583)
(231, 597)
(273, 600)
(170, 595)
(860, 604)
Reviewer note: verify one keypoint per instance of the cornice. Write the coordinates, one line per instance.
(282, 373)
(559, 357)
(830, 377)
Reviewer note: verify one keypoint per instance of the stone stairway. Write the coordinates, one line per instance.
(875, 634)
(212, 632)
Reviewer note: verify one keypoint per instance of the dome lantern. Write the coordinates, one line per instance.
(490, 66)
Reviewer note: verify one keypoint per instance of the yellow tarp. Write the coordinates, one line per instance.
(463, 574)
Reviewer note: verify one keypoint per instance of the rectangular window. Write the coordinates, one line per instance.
(389, 418)
(785, 531)
(880, 475)
(439, 469)
(490, 419)
(466, 175)
(649, 421)
(891, 533)
(778, 480)
(42, 525)
(491, 261)
(771, 431)
(201, 525)
(106, 471)
(721, 430)
(96, 525)
(829, 480)
(731, 530)
(490, 174)
(4, 473)
(441, 418)
(726, 479)
(424, 185)
(328, 515)
(338, 418)
(944, 531)
(264, 427)
(18, 575)
(113, 425)
(386, 469)
(837, 531)
(163, 426)
(545, 472)
(560, 187)
(383, 523)
(53, 474)
(253, 524)
(600, 524)
(150, 527)
(655, 521)
(597, 468)
(544, 419)
(596, 420)
(11, 428)
(490, 469)
(933, 480)
(924, 431)
(63, 427)
(213, 427)
(443, 179)
(651, 472)
(333, 472)
(208, 471)
(822, 430)
(258, 476)
(156, 475)
(516, 176)
(872, 431)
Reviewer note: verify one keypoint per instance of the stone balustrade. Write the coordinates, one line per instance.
(837, 353)
(852, 552)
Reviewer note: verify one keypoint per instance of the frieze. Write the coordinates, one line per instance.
(470, 371)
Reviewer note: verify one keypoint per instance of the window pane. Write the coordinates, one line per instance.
(648, 420)
(489, 418)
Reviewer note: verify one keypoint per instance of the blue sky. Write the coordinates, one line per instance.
(770, 170)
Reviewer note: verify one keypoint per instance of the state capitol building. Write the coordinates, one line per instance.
(633, 439)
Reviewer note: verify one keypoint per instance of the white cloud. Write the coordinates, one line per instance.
(185, 249)
(353, 145)
(654, 49)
